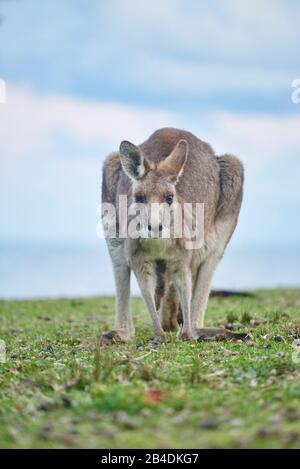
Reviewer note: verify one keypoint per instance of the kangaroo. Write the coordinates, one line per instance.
(172, 166)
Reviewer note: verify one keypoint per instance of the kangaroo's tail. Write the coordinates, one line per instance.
(170, 310)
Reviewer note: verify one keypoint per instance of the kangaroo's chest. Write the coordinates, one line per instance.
(149, 251)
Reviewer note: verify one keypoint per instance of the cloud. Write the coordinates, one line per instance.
(244, 32)
(203, 80)
(30, 121)
(155, 50)
(261, 138)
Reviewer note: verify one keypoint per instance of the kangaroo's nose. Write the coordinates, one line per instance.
(160, 228)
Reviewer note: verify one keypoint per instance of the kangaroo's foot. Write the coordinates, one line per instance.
(218, 333)
(185, 334)
(158, 339)
(109, 338)
(115, 337)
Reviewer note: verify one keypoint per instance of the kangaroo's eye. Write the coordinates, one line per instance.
(169, 199)
(140, 199)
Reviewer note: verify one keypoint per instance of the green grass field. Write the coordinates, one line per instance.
(56, 392)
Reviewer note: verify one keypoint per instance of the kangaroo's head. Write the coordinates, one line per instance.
(153, 183)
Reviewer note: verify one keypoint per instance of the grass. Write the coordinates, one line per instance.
(56, 392)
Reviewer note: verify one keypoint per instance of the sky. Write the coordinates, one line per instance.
(82, 76)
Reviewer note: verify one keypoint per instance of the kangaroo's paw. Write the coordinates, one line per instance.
(218, 333)
(185, 335)
(110, 338)
(158, 339)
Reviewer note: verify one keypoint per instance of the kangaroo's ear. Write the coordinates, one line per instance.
(133, 162)
(173, 165)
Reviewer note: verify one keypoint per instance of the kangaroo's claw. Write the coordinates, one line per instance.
(157, 340)
(109, 338)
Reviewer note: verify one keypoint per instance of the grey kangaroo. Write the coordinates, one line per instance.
(171, 166)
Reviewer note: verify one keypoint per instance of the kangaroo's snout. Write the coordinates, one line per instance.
(151, 229)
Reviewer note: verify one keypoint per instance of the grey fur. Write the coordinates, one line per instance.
(204, 177)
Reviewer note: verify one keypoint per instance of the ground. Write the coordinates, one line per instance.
(56, 391)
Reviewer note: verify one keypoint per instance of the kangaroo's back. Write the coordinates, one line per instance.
(161, 143)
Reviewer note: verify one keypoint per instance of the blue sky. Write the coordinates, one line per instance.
(81, 76)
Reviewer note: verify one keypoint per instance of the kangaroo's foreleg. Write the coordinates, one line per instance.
(202, 289)
(123, 320)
